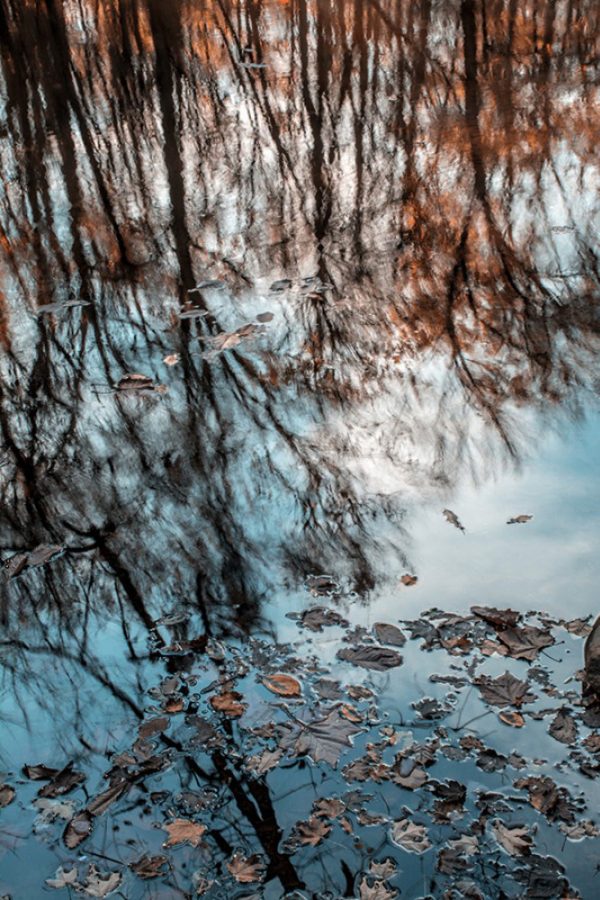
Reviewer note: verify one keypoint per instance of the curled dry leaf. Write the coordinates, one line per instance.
(512, 718)
(246, 870)
(282, 684)
(228, 703)
(410, 837)
(183, 831)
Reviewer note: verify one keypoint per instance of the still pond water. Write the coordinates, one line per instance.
(299, 306)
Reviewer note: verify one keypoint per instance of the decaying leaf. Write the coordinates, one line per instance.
(100, 884)
(63, 878)
(512, 718)
(384, 869)
(78, 829)
(376, 890)
(49, 810)
(183, 831)
(580, 830)
(371, 656)
(311, 832)
(329, 807)
(389, 634)
(228, 703)
(323, 739)
(453, 519)
(500, 618)
(149, 866)
(39, 772)
(7, 795)
(506, 690)
(282, 684)
(547, 797)
(410, 837)
(62, 782)
(246, 870)
(264, 761)
(515, 840)
(519, 520)
(318, 617)
(525, 642)
(563, 728)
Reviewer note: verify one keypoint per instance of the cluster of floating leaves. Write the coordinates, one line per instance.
(392, 781)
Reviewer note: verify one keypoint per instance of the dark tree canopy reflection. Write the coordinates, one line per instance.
(425, 174)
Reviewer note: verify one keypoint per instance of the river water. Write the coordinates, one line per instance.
(280, 282)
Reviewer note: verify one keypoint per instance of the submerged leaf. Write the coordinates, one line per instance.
(149, 866)
(322, 739)
(515, 840)
(389, 634)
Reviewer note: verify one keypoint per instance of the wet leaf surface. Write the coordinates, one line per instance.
(371, 657)
(183, 831)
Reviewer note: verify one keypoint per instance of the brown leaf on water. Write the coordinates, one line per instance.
(499, 618)
(7, 795)
(265, 317)
(512, 718)
(101, 884)
(183, 831)
(592, 743)
(329, 807)
(409, 580)
(515, 840)
(323, 739)
(153, 726)
(42, 554)
(228, 703)
(349, 712)
(410, 837)
(318, 617)
(547, 797)
(453, 519)
(312, 832)
(246, 870)
(39, 772)
(370, 656)
(563, 728)
(385, 869)
(101, 802)
(63, 878)
(282, 684)
(172, 359)
(78, 829)
(376, 890)
(506, 690)
(525, 642)
(149, 866)
(519, 520)
(389, 634)
(264, 762)
(63, 782)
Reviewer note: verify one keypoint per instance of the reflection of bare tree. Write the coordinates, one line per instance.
(441, 203)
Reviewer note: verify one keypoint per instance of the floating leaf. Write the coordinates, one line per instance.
(311, 832)
(172, 359)
(63, 878)
(370, 656)
(409, 580)
(264, 761)
(515, 840)
(500, 618)
(282, 684)
(509, 717)
(525, 642)
(183, 831)
(563, 728)
(265, 317)
(149, 866)
(78, 829)
(377, 890)
(506, 690)
(228, 703)
(62, 782)
(100, 884)
(39, 772)
(519, 520)
(329, 807)
(389, 634)
(453, 519)
(246, 870)
(7, 795)
(410, 837)
(323, 739)
(318, 617)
